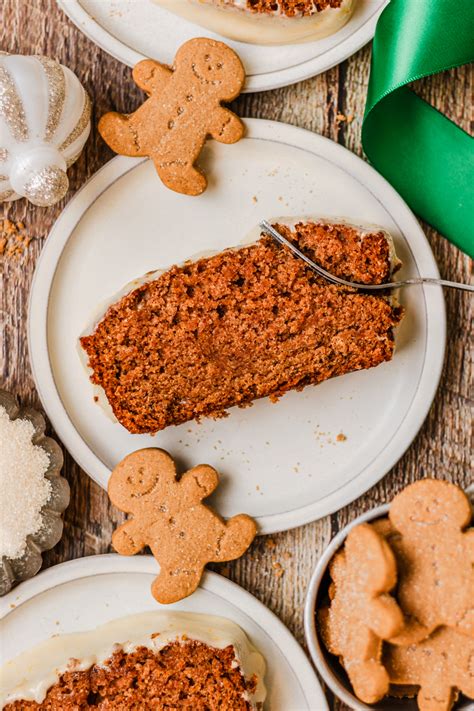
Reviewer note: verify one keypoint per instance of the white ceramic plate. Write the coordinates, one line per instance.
(130, 30)
(281, 463)
(80, 595)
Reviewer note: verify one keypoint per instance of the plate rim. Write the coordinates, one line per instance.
(266, 81)
(435, 345)
(110, 563)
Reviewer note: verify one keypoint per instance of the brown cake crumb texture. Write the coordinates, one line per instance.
(292, 8)
(243, 324)
(186, 675)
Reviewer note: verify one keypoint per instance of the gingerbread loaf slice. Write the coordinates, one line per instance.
(266, 21)
(245, 323)
(149, 661)
(288, 8)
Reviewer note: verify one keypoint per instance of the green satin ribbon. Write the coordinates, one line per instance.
(424, 155)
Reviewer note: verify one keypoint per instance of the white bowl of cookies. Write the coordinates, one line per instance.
(389, 613)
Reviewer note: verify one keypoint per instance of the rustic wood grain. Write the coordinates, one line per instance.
(331, 104)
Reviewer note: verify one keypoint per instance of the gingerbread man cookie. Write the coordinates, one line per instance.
(168, 516)
(183, 109)
(441, 666)
(361, 612)
(435, 558)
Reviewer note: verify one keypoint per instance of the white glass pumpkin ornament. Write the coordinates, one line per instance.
(44, 124)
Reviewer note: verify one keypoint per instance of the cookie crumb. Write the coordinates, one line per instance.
(14, 240)
(342, 118)
(278, 569)
(341, 437)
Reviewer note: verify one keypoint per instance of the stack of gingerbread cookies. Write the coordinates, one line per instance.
(400, 607)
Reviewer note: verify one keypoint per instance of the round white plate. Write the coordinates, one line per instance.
(82, 594)
(130, 30)
(281, 463)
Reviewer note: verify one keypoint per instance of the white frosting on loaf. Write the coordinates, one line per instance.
(29, 676)
(235, 21)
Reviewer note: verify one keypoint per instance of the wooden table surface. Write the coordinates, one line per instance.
(331, 104)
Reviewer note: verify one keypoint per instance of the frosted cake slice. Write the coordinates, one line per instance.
(158, 660)
(245, 323)
(266, 21)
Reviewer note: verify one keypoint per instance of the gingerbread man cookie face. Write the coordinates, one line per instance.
(169, 517)
(435, 556)
(183, 109)
(212, 67)
(361, 612)
(441, 666)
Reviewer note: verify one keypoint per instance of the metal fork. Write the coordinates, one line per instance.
(268, 229)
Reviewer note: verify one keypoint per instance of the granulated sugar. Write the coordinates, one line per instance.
(24, 490)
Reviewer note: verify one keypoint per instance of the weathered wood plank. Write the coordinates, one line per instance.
(331, 104)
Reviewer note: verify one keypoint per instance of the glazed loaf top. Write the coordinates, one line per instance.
(288, 8)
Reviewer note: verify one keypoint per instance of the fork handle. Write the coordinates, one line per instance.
(425, 280)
